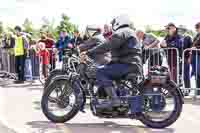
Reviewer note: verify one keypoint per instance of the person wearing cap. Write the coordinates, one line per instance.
(174, 40)
(77, 39)
(150, 45)
(196, 57)
(20, 47)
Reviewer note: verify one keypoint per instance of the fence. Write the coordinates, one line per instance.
(7, 63)
(181, 65)
(38, 64)
(191, 68)
(168, 57)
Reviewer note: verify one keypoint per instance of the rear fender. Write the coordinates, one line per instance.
(180, 93)
(147, 83)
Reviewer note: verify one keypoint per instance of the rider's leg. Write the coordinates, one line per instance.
(105, 76)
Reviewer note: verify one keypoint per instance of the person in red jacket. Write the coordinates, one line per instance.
(49, 44)
(44, 56)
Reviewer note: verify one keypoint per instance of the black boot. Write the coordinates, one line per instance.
(113, 100)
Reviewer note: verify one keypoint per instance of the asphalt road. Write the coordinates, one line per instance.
(21, 113)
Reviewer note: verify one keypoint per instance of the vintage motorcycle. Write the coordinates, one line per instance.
(70, 60)
(155, 100)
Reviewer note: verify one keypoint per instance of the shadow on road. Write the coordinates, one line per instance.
(28, 85)
(106, 127)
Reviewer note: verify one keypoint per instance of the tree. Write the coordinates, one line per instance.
(1, 27)
(65, 24)
(9, 29)
(28, 26)
(48, 27)
(159, 33)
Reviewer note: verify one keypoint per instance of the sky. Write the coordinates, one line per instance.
(88, 12)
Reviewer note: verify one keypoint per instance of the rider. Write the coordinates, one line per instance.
(126, 58)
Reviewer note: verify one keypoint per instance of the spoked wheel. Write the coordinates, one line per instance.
(60, 102)
(166, 110)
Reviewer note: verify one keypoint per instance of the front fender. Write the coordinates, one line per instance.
(61, 77)
(55, 71)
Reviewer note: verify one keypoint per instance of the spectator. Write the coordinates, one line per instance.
(186, 44)
(150, 41)
(76, 40)
(8, 40)
(173, 40)
(49, 44)
(107, 32)
(63, 43)
(44, 54)
(34, 58)
(196, 57)
(20, 47)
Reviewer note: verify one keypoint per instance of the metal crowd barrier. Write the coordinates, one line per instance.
(190, 68)
(180, 68)
(7, 64)
(168, 57)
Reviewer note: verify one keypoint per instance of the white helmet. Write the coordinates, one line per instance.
(120, 21)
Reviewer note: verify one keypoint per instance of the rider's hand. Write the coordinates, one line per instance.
(163, 44)
(83, 57)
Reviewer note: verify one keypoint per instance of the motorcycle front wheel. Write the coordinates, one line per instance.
(169, 109)
(60, 102)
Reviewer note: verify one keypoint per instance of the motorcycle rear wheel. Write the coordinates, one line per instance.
(175, 94)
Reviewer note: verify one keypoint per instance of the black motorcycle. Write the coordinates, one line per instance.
(70, 61)
(155, 100)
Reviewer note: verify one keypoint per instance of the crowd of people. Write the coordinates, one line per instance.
(45, 50)
(50, 50)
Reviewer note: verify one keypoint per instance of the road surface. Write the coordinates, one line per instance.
(21, 113)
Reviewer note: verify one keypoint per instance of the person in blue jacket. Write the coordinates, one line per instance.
(63, 43)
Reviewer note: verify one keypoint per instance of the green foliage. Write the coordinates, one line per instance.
(10, 29)
(159, 33)
(1, 27)
(27, 26)
(191, 33)
(66, 25)
(48, 26)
